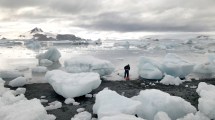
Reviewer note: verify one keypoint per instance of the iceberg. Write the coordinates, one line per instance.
(207, 99)
(175, 66)
(52, 54)
(154, 101)
(110, 103)
(18, 82)
(88, 64)
(10, 74)
(171, 80)
(71, 85)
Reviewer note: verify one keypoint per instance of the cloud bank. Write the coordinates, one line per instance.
(112, 15)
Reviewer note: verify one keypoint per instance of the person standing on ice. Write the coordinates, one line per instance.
(126, 75)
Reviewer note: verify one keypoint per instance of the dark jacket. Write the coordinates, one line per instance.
(127, 67)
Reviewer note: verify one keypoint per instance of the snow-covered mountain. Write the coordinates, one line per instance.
(36, 30)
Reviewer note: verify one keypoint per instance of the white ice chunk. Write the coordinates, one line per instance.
(207, 99)
(39, 69)
(42, 96)
(154, 101)
(197, 116)
(9, 98)
(10, 74)
(43, 101)
(80, 110)
(76, 103)
(45, 62)
(18, 82)
(205, 70)
(121, 117)
(161, 116)
(71, 85)
(54, 105)
(109, 103)
(52, 54)
(171, 80)
(88, 64)
(25, 110)
(2, 88)
(69, 100)
(89, 95)
(82, 116)
(175, 66)
(149, 71)
(20, 91)
(31, 44)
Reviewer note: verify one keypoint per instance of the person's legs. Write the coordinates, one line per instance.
(128, 74)
(125, 73)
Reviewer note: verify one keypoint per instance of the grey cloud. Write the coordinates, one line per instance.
(75, 6)
(116, 21)
(14, 4)
(122, 15)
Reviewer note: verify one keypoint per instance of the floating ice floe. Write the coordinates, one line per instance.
(207, 99)
(82, 116)
(18, 82)
(10, 74)
(33, 45)
(161, 116)
(175, 66)
(45, 62)
(154, 101)
(88, 64)
(39, 69)
(125, 44)
(52, 54)
(121, 117)
(171, 80)
(110, 103)
(71, 85)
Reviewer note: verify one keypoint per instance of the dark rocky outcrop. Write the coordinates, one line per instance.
(67, 37)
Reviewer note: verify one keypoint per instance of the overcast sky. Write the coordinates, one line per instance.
(106, 18)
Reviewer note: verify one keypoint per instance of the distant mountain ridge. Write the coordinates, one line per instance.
(38, 34)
